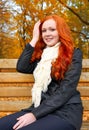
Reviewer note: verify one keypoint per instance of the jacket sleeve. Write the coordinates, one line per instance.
(23, 63)
(66, 88)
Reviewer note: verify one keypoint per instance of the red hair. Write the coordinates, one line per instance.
(60, 66)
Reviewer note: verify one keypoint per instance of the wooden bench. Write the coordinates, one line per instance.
(15, 89)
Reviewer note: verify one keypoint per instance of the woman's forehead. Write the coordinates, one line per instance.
(49, 22)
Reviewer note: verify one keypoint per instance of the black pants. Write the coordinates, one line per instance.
(50, 122)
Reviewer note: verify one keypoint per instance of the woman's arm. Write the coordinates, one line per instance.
(23, 63)
(66, 89)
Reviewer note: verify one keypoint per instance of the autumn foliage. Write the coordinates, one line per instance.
(17, 18)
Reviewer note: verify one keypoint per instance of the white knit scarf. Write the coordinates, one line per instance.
(42, 73)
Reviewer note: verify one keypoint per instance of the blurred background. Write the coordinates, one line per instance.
(17, 18)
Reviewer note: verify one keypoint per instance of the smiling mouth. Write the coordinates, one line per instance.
(48, 39)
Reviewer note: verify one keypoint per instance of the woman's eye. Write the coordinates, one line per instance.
(43, 30)
(52, 29)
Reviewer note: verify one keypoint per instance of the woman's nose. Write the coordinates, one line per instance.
(47, 32)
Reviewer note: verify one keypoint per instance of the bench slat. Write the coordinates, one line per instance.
(20, 77)
(85, 63)
(16, 91)
(86, 105)
(14, 105)
(85, 128)
(16, 77)
(18, 105)
(84, 77)
(8, 63)
(84, 90)
(11, 63)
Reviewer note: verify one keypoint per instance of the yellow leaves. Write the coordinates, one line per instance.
(36, 1)
(18, 28)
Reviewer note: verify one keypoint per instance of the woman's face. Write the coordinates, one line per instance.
(49, 33)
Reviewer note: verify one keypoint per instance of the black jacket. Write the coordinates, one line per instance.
(62, 97)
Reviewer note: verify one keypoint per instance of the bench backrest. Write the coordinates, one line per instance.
(15, 87)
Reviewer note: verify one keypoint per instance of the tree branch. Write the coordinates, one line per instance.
(85, 22)
(84, 35)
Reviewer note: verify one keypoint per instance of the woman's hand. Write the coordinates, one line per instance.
(24, 121)
(36, 33)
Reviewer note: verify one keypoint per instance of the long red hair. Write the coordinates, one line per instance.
(60, 66)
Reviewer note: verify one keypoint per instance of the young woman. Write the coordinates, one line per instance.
(56, 65)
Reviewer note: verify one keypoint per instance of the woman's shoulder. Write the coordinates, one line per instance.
(77, 52)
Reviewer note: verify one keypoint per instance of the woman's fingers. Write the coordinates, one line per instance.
(18, 125)
(24, 121)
